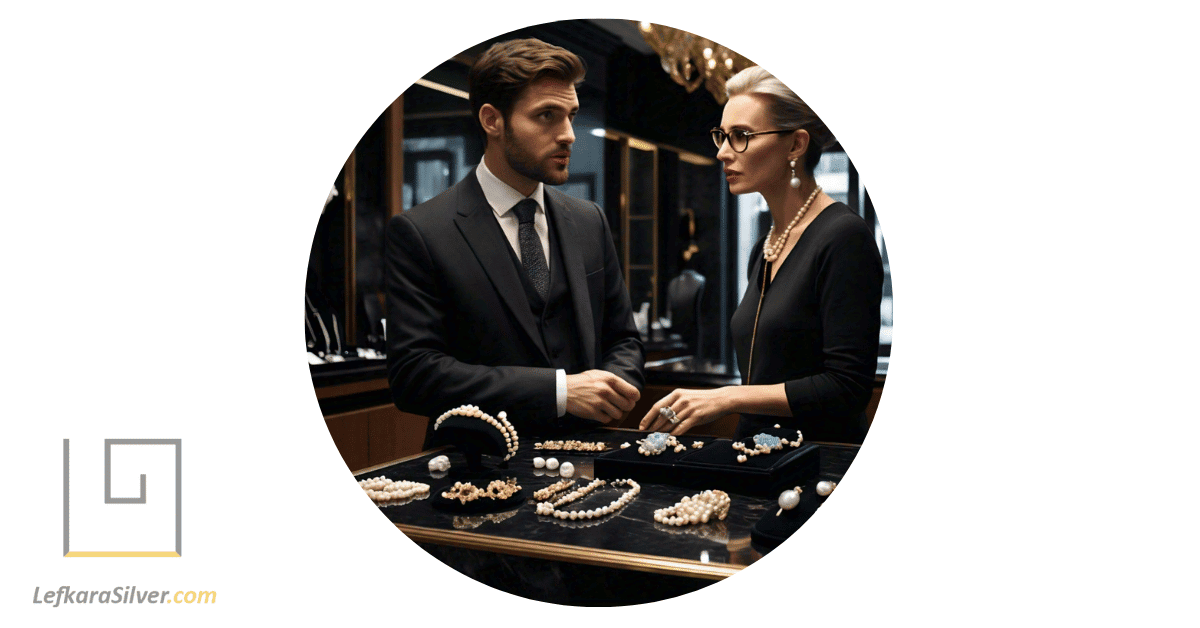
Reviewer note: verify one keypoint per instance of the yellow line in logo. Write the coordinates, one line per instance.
(122, 555)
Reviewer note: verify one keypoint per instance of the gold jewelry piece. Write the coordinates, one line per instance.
(383, 490)
(500, 422)
(571, 445)
(698, 508)
(496, 489)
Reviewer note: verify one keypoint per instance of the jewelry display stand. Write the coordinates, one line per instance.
(771, 530)
(715, 466)
(473, 438)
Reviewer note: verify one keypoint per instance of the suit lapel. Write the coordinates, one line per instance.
(477, 223)
(570, 239)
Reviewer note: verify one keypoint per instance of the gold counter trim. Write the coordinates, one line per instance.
(571, 553)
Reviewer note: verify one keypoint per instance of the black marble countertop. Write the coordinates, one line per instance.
(627, 539)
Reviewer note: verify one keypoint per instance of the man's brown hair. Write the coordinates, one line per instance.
(508, 67)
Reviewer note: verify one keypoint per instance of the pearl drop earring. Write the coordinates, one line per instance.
(795, 182)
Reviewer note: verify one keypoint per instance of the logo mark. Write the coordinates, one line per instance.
(123, 525)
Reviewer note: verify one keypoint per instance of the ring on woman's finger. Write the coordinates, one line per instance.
(672, 418)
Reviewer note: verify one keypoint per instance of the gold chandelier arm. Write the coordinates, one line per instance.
(691, 60)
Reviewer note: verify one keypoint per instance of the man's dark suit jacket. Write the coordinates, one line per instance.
(459, 327)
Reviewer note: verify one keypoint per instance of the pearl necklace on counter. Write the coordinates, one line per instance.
(764, 444)
(698, 508)
(549, 509)
(382, 490)
(500, 422)
(496, 489)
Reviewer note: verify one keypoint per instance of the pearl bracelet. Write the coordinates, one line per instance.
(549, 491)
(764, 444)
(497, 489)
(382, 490)
(500, 422)
(549, 509)
(698, 508)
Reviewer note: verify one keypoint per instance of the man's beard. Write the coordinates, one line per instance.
(528, 165)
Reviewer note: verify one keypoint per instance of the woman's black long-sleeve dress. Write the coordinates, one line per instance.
(818, 332)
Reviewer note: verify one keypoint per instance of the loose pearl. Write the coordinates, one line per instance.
(539, 462)
(552, 463)
(825, 487)
(566, 470)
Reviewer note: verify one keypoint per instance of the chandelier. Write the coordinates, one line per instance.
(691, 60)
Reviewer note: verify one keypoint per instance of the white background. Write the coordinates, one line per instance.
(100, 527)
(1032, 166)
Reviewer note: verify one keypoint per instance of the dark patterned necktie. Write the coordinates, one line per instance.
(532, 257)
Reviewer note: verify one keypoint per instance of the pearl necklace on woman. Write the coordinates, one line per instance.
(383, 490)
(500, 422)
(549, 509)
(771, 253)
(698, 508)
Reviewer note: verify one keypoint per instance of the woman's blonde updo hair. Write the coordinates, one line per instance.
(788, 111)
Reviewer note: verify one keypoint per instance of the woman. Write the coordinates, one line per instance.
(807, 330)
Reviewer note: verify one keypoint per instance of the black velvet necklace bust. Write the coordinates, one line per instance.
(474, 439)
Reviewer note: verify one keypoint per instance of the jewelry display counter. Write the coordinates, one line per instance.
(621, 558)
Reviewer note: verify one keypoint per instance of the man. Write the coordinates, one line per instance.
(503, 292)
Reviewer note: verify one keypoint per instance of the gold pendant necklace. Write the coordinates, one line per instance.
(754, 333)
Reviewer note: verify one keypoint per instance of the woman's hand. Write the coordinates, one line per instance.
(692, 407)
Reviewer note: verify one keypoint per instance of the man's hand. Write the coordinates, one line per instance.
(599, 395)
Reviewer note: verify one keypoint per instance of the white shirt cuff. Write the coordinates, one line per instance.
(560, 385)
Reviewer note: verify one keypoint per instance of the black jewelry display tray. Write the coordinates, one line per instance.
(715, 467)
(775, 527)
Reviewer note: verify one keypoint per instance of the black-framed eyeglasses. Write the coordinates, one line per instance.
(739, 140)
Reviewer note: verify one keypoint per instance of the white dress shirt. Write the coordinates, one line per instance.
(502, 197)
